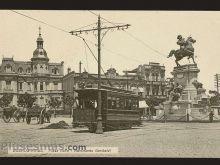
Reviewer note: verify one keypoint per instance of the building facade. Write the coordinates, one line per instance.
(149, 79)
(37, 77)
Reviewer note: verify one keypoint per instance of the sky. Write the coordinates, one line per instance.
(155, 32)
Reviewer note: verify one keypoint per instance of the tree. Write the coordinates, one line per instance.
(214, 100)
(70, 101)
(26, 100)
(54, 103)
(5, 100)
(152, 102)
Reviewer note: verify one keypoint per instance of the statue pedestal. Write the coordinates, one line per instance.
(185, 75)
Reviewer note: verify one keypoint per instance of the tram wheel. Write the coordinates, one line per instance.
(92, 128)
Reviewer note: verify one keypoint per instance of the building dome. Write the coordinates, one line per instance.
(39, 52)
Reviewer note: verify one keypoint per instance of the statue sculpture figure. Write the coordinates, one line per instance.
(170, 86)
(176, 92)
(199, 87)
(197, 84)
(186, 49)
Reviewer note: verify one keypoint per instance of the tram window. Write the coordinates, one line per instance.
(118, 103)
(113, 104)
(109, 103)
(122, 103)
(134, 104)
(128, 104)
(81, 104)
(90, 104)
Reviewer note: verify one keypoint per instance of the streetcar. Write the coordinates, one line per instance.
(119, 108)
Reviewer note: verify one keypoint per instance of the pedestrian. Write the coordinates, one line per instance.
(211, 114)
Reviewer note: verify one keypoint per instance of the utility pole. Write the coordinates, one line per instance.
(99, 129)
(217, 83)
(189, 98)
(127, 78)
(80, 64)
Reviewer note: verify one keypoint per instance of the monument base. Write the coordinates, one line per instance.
(184, 76)
(176, 111)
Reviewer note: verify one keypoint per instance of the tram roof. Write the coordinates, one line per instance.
(108, 89)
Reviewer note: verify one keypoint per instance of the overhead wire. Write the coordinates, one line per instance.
(97, 61)
(40, 21)
(137, 39)
(63, 30)
(58, 28)
(85, 52)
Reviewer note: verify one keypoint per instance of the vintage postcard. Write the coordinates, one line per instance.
(104, 83)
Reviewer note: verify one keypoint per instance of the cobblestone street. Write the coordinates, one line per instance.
(150, 140)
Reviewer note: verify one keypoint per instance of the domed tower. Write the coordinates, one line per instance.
(40, 59)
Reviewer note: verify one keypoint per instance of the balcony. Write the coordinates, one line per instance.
(8, 90)
(54, 91)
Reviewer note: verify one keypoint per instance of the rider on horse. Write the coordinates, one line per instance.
(186, 49)
(181, 42)
(185, 46)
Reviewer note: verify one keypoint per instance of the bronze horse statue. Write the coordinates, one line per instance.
(187, 51)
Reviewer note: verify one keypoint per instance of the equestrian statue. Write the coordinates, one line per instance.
(186, 49)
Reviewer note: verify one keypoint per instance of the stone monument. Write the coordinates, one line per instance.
(185, 75)
(180, 102)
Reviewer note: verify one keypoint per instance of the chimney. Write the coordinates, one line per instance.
(68, 70)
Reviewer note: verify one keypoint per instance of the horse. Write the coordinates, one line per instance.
(188, 51)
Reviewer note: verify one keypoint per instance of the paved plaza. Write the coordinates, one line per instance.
(152, 139)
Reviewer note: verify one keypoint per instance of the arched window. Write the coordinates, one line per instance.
(28, 70)
(147, 75)
(147, 90)
(163, 90)
(153, 76)
(8, 68)
(55, 71)
(162, 75)
(156, 75)
(20, 70)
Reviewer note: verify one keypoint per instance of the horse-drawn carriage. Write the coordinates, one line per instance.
(17, 114)
(12, 112)
(40, 113)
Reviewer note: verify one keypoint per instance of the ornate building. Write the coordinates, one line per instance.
(37, 77)
(147, 80)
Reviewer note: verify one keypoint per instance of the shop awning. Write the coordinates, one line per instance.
(142, 104)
